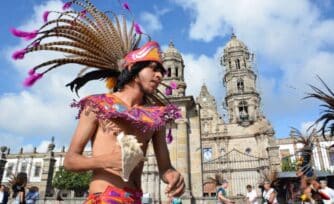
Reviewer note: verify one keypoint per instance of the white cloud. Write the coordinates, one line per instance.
(293, 36)
(150, 22)
(202, 69)
(43, 110)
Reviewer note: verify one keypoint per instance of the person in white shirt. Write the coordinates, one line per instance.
(328, 191)
(2, 192)
(269, 194)
(251, 196)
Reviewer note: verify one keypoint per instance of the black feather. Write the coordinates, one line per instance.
(78, 82)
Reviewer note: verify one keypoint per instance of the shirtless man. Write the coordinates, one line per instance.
(95, 40)
(106, 152)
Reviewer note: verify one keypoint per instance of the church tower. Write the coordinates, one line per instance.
(242, 98)
(173, 62)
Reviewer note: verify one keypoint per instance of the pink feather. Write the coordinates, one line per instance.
(67, 5)
(137, 28)
(126, 6)
(168, 91)
(45, 16)
(35, 44)
(173, 85)
(30, 80)
(19, 54)
(31, 72)
(169, 137)
(83, 13)
(24, 34)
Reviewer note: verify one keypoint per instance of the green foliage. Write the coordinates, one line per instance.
(67, 180)
(287, 164)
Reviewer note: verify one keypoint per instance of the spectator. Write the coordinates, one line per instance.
(3, 194)
(328, 191)
(19, 183)
(221, 194)
(269, 194)
(32, 195)
(251, 196)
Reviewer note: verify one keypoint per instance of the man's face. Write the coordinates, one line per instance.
(149, 78)
(249, 189)
(323, 184)
(266, 185)
(225, 185)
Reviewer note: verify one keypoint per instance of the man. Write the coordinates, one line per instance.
(119, 124)
(327, 191)
(4, 194)
(106, 161)
(251, 195)
(33, 195)
(221, 194)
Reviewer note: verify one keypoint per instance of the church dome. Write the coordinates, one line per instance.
(171, 51)
(235, 43)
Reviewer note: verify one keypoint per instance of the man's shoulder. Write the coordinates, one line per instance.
(220, 189)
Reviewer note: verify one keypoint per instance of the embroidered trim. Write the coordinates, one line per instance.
(107, 106)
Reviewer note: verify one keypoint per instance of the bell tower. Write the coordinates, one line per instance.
(242, 99)
(173, 62)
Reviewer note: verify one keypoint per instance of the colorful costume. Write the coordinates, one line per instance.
(101, 41)
(108, 106)
(113, 195)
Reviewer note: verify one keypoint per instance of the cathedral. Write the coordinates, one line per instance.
(206, 148)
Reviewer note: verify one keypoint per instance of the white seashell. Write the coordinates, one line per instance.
(132, 154)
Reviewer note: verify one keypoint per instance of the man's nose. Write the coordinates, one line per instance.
(158, 75)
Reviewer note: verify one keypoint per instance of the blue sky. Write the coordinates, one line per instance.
(293, 42)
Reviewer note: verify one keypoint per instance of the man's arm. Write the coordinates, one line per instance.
(74, 160)
(167, 173)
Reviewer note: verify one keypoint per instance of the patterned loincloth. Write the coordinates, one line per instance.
(114, 195)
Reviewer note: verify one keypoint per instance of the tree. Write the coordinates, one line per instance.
(66, 180)
(287, 164)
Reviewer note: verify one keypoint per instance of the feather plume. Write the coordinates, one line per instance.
(80, 81)
(327, 116)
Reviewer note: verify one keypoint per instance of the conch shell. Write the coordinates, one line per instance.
(132, 154)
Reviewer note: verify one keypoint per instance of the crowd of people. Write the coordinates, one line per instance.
(15, 193)
(267, 194)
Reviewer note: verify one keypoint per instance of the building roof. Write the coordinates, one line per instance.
(235, 43)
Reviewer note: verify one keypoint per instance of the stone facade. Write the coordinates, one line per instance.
(241, 148)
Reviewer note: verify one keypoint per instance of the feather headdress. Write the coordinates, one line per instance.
(102, 42)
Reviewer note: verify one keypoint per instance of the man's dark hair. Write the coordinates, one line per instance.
(248, 186)
(127, 76)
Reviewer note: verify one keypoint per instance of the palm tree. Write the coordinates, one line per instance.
(327, 116)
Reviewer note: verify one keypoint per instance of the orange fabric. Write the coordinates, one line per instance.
(148, 52)
(114, 195)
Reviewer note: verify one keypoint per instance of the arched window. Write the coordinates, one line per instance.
(222, 151)
(229, 64)
(237, 63)
(240, 85)
(207, 154)
(176, 72)
(243, 111)
(206, 127)
(331, 156)
(248, 150)
(169, 72)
